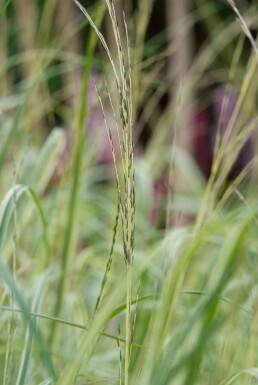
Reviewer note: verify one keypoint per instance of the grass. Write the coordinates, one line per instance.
(96, 285)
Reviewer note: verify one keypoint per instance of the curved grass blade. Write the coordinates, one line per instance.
(7, 277)
(67, 323)
(48, 158)
(8, 207)
(29, 337)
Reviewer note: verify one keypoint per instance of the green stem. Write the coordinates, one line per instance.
(70, 231)
(128, 322)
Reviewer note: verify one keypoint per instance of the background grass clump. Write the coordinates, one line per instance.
(128, 192)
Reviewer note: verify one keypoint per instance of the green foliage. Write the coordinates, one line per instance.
(94, 288)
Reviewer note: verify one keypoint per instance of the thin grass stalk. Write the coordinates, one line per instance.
(171, 173)
(234, 186)
(219, 153)
(119, 205)
(11, 318)
(134, 316)
(66, 22)
(4, 82)
(128, 326)
(62, 321)
(120, 356)
(209, 194)
(46, 22)
(26, 10)
(128, 226)
(69, 240)
(110, 258)
(31, 36)
(127, 191)
(143, 12)
(179, 64)
(109, 262)
(117, 126)
(244, 26)
(8, 364)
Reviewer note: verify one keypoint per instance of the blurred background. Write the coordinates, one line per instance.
(186, 62)
(193, 69)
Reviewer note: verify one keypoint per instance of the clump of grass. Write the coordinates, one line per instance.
(196, 303)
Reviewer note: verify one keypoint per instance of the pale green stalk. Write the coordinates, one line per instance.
(128, 329)
(127, 195)
(70, 232)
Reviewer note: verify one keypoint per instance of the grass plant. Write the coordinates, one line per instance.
(96, 285)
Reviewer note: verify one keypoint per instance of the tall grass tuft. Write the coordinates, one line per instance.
(125, 182)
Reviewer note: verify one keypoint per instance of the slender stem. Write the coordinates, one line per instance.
(128, 322)
(69, 240)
